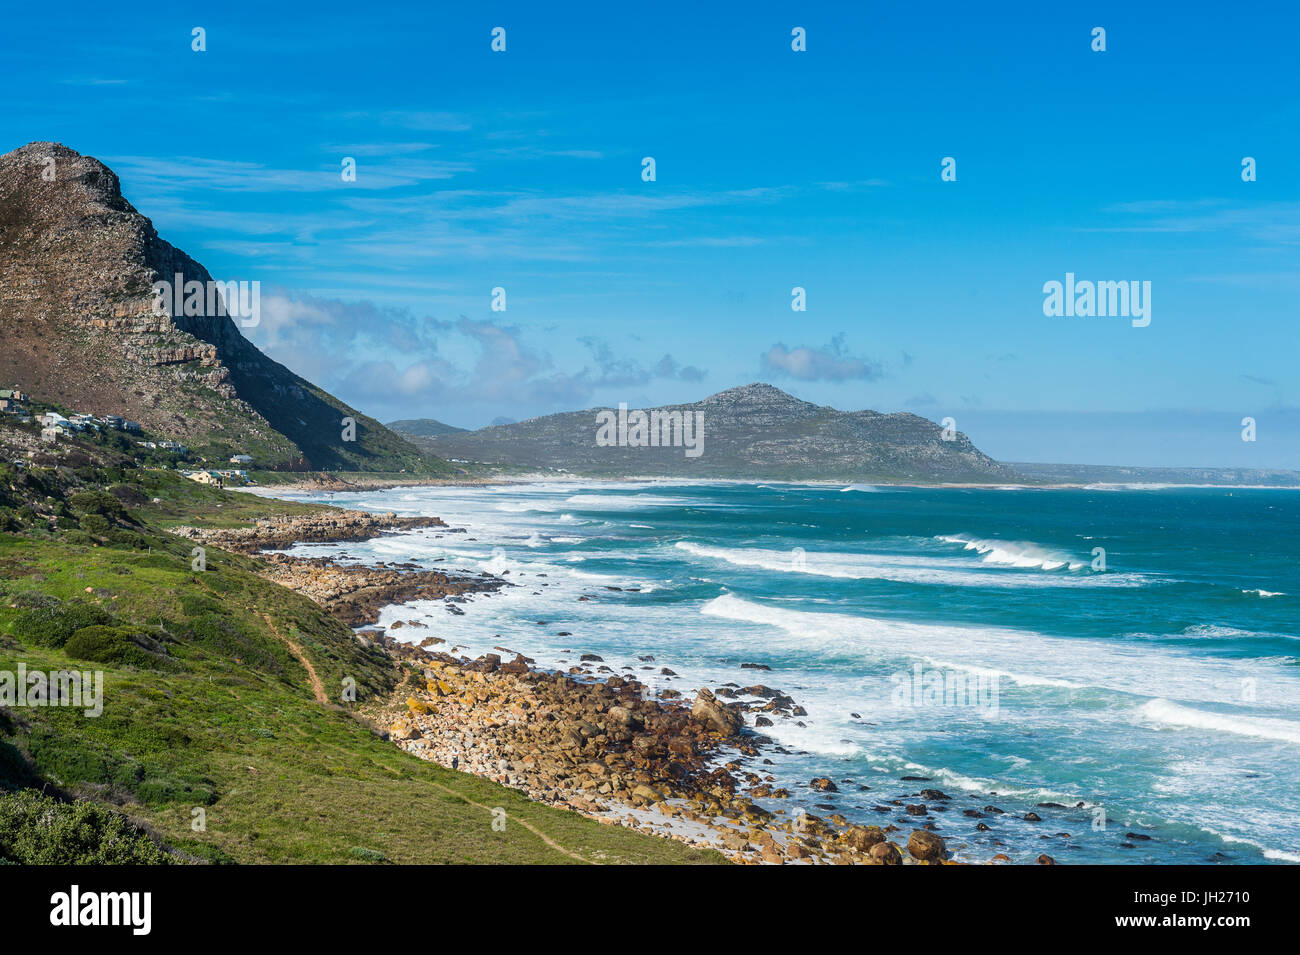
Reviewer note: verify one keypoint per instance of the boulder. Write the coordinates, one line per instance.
(926, 846)
(405, 729)
(719, 717)
(863, 838)
(886, 853)
(647, 794)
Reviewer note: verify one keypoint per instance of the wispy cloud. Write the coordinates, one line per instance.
(1263, 221)
(193, 173)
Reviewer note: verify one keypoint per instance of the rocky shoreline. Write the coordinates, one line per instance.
(589, 740)
(355, 594)
(609, 749)
(326, 526)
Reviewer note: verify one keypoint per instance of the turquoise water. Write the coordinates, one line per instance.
(1162, 692)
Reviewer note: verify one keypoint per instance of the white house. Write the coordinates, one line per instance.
(242, 459)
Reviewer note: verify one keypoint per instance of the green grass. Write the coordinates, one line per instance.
(219, 715)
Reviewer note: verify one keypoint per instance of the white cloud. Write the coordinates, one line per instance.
(831, 363)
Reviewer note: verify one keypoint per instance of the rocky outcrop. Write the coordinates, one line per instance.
(605, 748)
(323, 526)
(356, 594)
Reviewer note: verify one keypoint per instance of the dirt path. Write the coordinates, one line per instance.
(317, 686)
(533, 829)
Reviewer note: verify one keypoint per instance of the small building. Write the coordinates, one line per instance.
(52, 419)
(242, 459)
(113, 421)
(130, 426)
(175, 447)
(206, 477)
(49, 435)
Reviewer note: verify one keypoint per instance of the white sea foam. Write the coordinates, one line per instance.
(1016, 553)
(1029, 659)
(624, 501)
(1281, 856)
(951, 572)
(1163, 712)
(1020, 679)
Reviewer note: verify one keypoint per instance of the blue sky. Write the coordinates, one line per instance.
(775, 169)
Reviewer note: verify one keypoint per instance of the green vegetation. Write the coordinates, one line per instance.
(40, 830)
(210, 737)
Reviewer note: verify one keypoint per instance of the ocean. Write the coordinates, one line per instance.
(1135, 650)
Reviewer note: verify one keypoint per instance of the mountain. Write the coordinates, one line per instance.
(424, 427)
(79, 328)
(1108, 474)
(752, 432)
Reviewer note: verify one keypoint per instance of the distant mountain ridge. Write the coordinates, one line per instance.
(755, 431)
(78, 327)
(423, 427)
(1111, 474)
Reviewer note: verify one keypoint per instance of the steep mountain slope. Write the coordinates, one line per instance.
(755, 431)
(78, 327)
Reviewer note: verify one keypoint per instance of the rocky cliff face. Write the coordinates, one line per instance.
(755, 431)
(78, 326)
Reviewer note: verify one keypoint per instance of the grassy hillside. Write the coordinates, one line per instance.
(208, 705)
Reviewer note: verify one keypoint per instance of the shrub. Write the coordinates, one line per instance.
(53, 626)
(96, 525)
(116, 645)
(39, 830)
(96, 502)
(124, 538)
